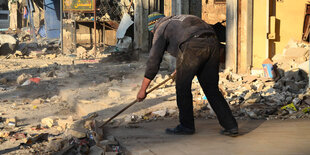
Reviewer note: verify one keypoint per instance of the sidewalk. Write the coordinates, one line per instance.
(275, 137)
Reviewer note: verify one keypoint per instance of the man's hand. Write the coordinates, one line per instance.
(141, 95)
(142, 92)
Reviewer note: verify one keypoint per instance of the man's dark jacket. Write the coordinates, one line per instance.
(169, 34)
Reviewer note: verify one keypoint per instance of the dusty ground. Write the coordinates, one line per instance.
(73, 88)
(257, 137)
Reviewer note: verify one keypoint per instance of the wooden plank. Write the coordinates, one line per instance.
(167, 7)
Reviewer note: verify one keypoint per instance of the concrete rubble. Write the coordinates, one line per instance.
(7, 44)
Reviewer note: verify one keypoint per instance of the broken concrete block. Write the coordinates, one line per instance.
(171, 111)
(251, 114)
(296, 101)
(65, 123)
(22, 78)
(37, 101)
(3, 81)
(4, 134)
(160, 113)
(295, 52)
(7, 44)
(49, 122)
(77, 134)
(63, 74)
(292, 87)
(252, 97)
(50, 56)
(95, 150)
(81, 52)
(296, 75)
(114, 94)
(35, 54)
(12, 122)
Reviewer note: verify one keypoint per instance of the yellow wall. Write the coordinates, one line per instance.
(290, 17)
(291, 14)
(259, 32)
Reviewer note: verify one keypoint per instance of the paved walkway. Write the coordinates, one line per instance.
(258, 137)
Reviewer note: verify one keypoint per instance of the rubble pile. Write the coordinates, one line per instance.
(294, 56)
(44, 138)
(255, 97)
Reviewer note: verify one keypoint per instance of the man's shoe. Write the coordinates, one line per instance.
(230, 132)
(180, 130)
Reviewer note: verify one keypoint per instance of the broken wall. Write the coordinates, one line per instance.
(213, 12)
(289, 18)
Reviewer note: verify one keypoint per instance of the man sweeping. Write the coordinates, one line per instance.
(195, 45)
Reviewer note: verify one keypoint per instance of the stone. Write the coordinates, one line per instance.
(49, 122)
(252, 98)
(95, 150)
(236, 77)
(63, 74)
(3, 81)
(77, 134)
(160, 113)
(50, 74)
(50, 56)
(37, 101)
(296, 75)
(18, 53)
(11, 121)
(7, 44)
(251, 114)
(35, 54)
(307, 100)
(81, 52)
(54, 145)
(127, 119)
(171, 111)
(22, 78)
(292, 86)
(65, 123)
(4, 133)
(296, 101)
(114, 94)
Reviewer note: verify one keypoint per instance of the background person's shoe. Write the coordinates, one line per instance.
(180, 130)
(230, 132)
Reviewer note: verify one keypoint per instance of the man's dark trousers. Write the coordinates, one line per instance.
(200, 56)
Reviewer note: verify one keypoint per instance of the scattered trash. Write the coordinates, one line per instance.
(35, 80)
(289, 107)
(49, 122)
(268, 67)
(306, 110)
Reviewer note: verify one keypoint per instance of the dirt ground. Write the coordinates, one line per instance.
(71, 88)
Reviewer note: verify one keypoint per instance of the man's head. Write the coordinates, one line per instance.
(152, 18)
